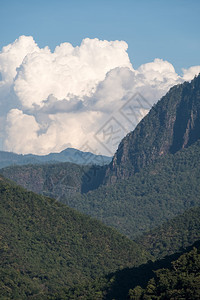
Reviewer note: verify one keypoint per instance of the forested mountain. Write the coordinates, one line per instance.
(47, 248)
(146, 200)
(174, 235)
(173, 277)
(49, 251)
(171, 125)
(68, 155)
(134, 206)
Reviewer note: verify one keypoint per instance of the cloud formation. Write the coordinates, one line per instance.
(68, 71)
(77, 96)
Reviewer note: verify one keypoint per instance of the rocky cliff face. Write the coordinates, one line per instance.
(171, 125)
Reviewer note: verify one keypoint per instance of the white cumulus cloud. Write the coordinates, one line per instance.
(12, 55)
(68, 70)
(188, 74)
(21, 130)
(76, 96)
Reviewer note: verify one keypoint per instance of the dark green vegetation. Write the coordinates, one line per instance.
(67, 155)
(181, 280)
(149, 198)
(174, 235)
(174, 277)
(46, 248)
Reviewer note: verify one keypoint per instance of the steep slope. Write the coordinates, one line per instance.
(47, 248)
(68, 155)
(171, 125)
(174, 235)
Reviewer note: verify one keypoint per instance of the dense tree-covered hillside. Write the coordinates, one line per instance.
(47, 247)
(133, 206)
(181, 280)
(136, 283)
(174, 235)
(147, 199)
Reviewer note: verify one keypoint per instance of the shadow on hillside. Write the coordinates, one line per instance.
(93, 178)
(129, 278)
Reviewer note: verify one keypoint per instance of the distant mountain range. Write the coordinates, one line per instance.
(67, 155)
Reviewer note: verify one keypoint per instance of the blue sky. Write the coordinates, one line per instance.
(152, 28)
(51, 101)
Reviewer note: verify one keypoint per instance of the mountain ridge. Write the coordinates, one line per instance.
(67, 155)
(171, 125)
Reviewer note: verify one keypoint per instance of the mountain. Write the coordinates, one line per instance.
(67, 155)
(150, 192)
(174, 235)
(151, 197)
(133, 206)
(162, 188)
(171, 125)
(47, 248)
